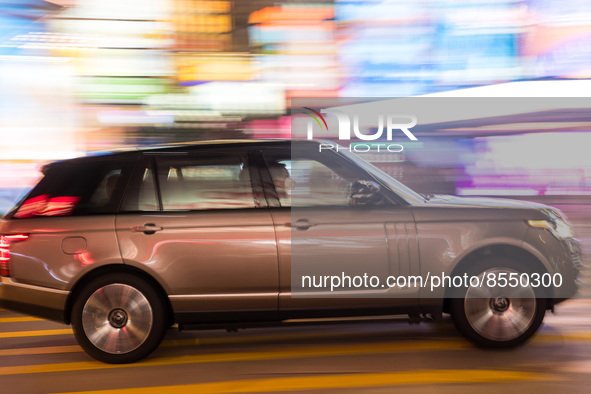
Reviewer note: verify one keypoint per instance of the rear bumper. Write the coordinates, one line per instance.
(33, 300)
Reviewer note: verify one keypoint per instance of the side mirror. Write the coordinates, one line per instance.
(364, 192)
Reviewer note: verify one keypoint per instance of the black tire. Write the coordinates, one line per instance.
(495, 317)
(107, 306)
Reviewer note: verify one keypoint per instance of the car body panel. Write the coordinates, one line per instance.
(39, 301)
(377, 242)
(41, 260)
(232, 264)
(207, 261)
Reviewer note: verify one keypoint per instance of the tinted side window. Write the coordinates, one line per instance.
(73, 188)
(306, 179)
(203, 183)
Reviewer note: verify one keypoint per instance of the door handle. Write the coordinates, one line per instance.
(148, 228)
(301, 224)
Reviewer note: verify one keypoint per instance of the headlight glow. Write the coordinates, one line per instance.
(558, 226)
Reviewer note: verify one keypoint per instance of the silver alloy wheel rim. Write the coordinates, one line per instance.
(500, 313)
(117, 318)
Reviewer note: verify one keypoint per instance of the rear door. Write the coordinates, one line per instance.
(198, 222)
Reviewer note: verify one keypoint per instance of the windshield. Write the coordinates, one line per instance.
(402, 190)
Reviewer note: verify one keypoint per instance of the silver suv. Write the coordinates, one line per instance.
(243, 233)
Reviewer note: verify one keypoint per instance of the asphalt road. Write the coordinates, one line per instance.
(38, 356)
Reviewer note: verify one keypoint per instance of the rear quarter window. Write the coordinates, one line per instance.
(77, 188)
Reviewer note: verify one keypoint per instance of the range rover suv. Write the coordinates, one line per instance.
(242, 233)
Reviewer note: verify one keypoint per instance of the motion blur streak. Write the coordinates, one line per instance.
(341, 381)
(88, 75)
(317, 351)
(80, 76)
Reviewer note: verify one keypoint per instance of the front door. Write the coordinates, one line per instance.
(333, 252)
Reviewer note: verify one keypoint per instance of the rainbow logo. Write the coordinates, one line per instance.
(319, 115)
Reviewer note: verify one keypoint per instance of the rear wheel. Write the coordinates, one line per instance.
(119, 318)
(491, 315)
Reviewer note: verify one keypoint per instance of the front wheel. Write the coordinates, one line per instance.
(492, 316)
(118, 318)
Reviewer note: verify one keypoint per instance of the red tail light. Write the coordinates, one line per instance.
(5, 251)
(4, 256)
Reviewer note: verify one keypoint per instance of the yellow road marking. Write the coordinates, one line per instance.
(403, 378)
(19, 319)
(185, 342)
(250, 339)
(573, 336)
(36, 333)
(40, 350)
(316, 351)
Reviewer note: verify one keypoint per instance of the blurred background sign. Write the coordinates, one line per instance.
(194, 69)
(84, 75)
(19, 17)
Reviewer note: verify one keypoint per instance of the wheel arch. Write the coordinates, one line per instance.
(110, 269)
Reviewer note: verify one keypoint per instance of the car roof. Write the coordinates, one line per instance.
(211, 144)
(134, 152)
